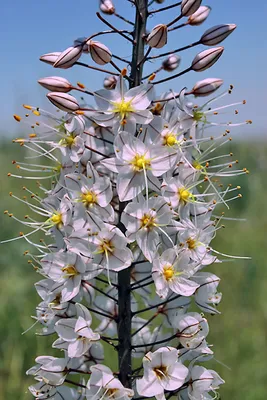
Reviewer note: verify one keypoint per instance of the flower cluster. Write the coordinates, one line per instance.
(136, 180)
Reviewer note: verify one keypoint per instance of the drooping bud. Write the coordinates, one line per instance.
(55, 84)
(107, 7)
(217, 34)
(50, 58)
(158, 36)
(188, 7)
(68, 57)
(205, 59)
(110, 82)
(199, 16)
(206, 87)
(99, 52)
(63, 101)
(171, 63)
(81, 41)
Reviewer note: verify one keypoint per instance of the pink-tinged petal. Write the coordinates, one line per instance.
(103, 99)
(71, 288)
(176, 377)
(78, 348)
(141, 96)
(126, 146)
(104, 119)
(65, 329)
(148, 241)
(142, 116)
(102, 188)
(120, 259)
(149, 387)
(163, 159)
(183, 286)
(129, 185)
(112, 164)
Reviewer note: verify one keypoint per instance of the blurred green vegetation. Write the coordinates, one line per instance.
(239, 334)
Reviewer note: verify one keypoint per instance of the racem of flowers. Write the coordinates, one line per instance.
(130, 188)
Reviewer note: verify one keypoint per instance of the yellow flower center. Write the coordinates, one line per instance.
(170, 139)
(56, 219)
(89, 198)
(106, 247)
(70, 271)
(147, 221)
(185, 195)
(191, 243)
(123, 108)
(168, 272)
(140, 162)
(197, 165)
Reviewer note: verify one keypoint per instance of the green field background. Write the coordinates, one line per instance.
(239, 334)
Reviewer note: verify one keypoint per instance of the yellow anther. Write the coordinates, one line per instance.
(17, 117)
(147, 221)
(37, 113)
(27, 107)
(70, 270)
(140, 162)
(191, 243)
(184, 194)
(123, 108)
(152, 77)
(89, 198)
(124, 72)
(56, 219)
(168, 272)
(80, 85)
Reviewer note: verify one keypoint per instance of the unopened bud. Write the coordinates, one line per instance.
(99, 52)
(107, 7)
(217, 34)
(81, 42)
(188, 7)
(206, 86)
(55, 84)
(110, 82)
(68, 57)
(63, 101)
(158, 36)
(199, 16)
(205, 59)
(171, 63)
(50, 58)
(159, 1)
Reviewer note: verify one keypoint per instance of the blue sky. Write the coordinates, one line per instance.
(30, 28)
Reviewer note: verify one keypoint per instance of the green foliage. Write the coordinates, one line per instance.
(238, 334)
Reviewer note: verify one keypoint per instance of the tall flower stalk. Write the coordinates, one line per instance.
(133, 188)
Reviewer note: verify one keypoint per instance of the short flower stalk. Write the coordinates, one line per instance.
(131, 189)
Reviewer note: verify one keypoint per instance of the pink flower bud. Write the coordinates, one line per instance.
(63, 101)
(110, 82)
(99, 52)
(188, 7)
(205, 59)
(199, 16)
(158, 36)
(171, 63)
(81, 41)
(55, 84)
(217, 34)
(206, 86)
(107, 7)
(50, 58)
(68, 57)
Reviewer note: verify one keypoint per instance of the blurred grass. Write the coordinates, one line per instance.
(239, 334)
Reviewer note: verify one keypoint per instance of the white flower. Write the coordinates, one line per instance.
(76, 332)
(203, 381)
(171, 271)
(145, 222)
(103, 385)
(206, 295)
(162, 371)
(119, 108)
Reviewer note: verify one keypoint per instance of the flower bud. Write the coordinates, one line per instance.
(68, 57)
(63, 101)
(110, 82)
(159, 1)
(107, 7)
(171, 63)
(50, 58)
(188, 7)
(158, 36)
(205, 59)
(199, 16)
(217, 34)
(99, 52)
(81, 41)
(206, 86)
(55, 84)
